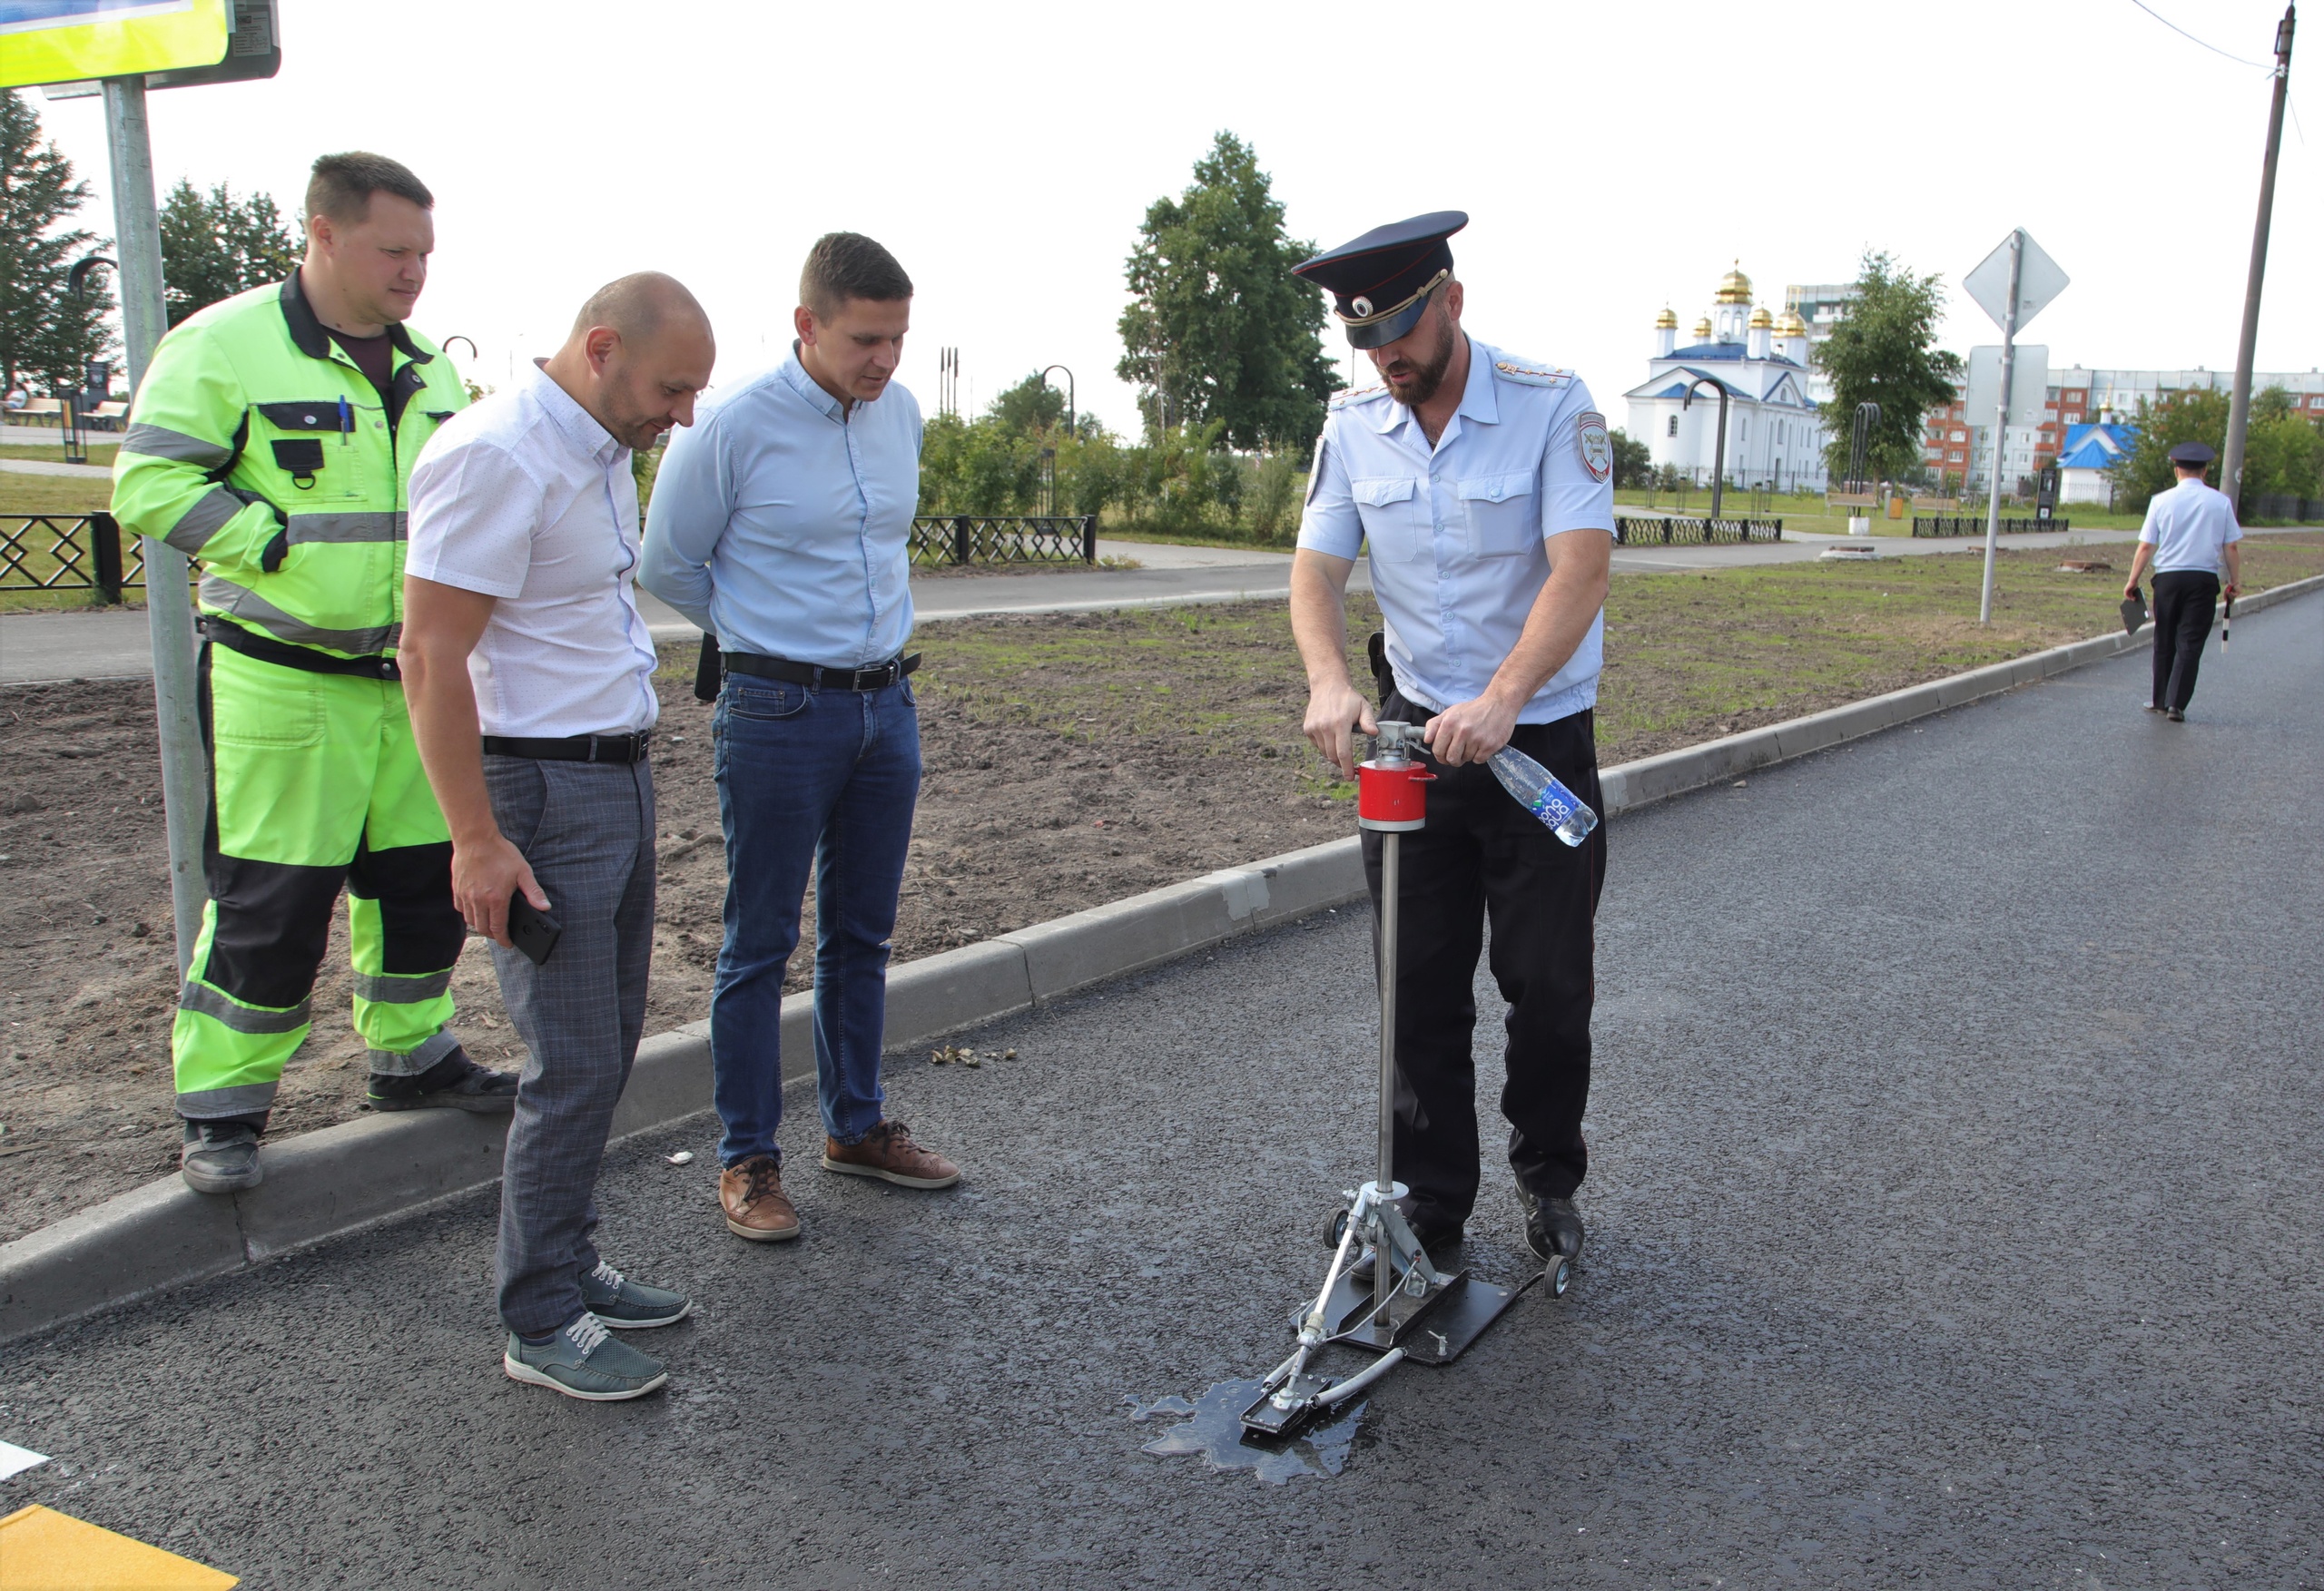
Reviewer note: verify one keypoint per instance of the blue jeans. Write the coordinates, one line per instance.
(831, 775)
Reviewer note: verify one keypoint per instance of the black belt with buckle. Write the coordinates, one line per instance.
(876, 676)
(629, 748)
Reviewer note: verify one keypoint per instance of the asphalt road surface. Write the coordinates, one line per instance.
(1954, 1220)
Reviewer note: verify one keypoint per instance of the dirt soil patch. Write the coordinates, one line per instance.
(1071, 759)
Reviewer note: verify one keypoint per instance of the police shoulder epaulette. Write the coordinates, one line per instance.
(1531, 376)
(1341, 399)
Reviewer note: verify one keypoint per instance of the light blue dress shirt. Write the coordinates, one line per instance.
(782, 522)
(1456, 531)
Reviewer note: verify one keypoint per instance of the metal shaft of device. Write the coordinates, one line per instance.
(2001, 419)
(1391, 846)
(169, 610)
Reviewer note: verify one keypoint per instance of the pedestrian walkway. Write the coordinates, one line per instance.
(1949, 1221)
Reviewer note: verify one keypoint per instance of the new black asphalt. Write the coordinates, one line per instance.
(1954, 1219)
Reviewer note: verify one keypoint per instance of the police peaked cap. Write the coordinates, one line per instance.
(2192, 453)
(1380, 282)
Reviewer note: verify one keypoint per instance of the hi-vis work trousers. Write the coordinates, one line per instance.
(315, 783)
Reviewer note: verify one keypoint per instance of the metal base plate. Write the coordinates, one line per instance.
(1439, 1331)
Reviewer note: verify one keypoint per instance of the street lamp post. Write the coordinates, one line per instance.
(1718, 454)
(1069, 396)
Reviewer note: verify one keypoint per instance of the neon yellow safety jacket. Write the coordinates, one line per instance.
(257, 446)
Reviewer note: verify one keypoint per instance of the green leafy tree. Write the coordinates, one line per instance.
(1219, 330)
(1885, 352)
(45, 332)
(1031, 407)
(2283, 452)
(1633, 461)
(215, 247)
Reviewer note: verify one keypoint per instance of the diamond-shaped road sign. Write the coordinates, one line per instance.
(2039, 281)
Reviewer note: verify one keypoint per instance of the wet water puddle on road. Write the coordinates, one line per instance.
(1212, 1428)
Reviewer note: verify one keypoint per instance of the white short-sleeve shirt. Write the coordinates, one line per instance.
(2188, 525)
(1456, 530)
(524, 497)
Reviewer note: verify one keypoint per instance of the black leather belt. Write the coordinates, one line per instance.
(282, 654)
(877, 676)
(629, 748)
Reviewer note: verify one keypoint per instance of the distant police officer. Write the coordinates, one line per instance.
(1483, 484)
(2189, 531)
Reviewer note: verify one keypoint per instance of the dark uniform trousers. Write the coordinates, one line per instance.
(1483, 856)
(2185, 602)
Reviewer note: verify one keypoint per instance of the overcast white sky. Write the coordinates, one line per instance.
(1612, 157)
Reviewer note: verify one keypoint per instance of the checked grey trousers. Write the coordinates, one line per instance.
(587, 830)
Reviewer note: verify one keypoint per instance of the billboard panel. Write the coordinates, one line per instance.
(59, 41)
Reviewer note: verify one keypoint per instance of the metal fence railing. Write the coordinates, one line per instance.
(68, 552)
(1974, 524)
(1004, 538)
(1670, 533)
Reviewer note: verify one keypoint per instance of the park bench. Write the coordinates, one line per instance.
(42, 411)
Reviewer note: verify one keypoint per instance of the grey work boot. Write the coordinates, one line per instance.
(220, 1157)
(585, 1361)
(626, 1305)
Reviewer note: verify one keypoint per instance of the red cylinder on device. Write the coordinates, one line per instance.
(1389, 795)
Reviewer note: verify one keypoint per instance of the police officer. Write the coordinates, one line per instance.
(2189, 531)
(1482, 483)
(271, 440)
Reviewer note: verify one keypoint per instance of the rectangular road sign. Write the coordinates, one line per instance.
(2029, 385)
(59, 41)
(2039, 280)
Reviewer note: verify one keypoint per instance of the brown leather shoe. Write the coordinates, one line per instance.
(757, 1206)
(889, 1153)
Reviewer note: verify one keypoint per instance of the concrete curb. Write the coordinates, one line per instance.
(327, 1183)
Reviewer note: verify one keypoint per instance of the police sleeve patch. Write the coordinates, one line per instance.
(1596, 448)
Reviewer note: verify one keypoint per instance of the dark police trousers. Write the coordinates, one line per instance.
(1483, 856)
(2185, 601)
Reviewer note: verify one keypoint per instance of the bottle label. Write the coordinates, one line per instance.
(1554, 805)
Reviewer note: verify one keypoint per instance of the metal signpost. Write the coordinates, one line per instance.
(203, 41)
(2239, 404)
(2014, 283)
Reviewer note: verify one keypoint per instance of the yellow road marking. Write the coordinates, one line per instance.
(44, 1550)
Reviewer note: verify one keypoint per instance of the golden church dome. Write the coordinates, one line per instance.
(1702, 330)
(1666, 322)
(1789, 324)
(1761, 320)
(1734, 288)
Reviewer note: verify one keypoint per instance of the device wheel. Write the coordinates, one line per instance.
(1559, 1276)
(1336, 1228)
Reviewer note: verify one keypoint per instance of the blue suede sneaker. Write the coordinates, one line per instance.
(625, 1305)
(585, 1361)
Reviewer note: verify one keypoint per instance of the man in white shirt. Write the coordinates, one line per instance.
(2189, 532)
(1481, 484)
(530, 677)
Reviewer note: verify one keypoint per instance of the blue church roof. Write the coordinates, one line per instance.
(1728, 350)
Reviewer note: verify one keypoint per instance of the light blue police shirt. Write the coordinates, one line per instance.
(782, 522)
(1456, 531)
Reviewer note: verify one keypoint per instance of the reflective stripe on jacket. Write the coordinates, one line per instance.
(257, 446)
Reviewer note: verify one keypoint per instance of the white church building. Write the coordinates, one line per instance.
(1773, 432)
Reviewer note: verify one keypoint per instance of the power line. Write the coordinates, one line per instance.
(2183, 33)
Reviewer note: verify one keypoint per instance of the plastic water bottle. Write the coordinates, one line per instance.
(1543, 795)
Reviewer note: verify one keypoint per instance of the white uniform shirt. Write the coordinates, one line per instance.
(524, 497)
(2188, 525)
(1456, 531)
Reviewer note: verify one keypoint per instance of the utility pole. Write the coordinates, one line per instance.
(169, 609)
(2001, 419)
(2239, 410)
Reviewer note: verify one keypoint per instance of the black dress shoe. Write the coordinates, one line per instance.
(1552, 1226)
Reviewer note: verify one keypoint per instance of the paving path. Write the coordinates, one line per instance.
(1952, 1222)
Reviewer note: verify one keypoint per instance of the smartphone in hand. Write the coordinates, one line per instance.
(534, 933)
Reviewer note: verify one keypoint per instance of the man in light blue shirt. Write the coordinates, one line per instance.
(2189, 532)
(782, 525)
(1481, 484)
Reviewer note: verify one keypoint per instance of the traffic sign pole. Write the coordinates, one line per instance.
(2001, 419)
(169, 609)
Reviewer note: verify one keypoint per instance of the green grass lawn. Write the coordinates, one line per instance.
(100, 453)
